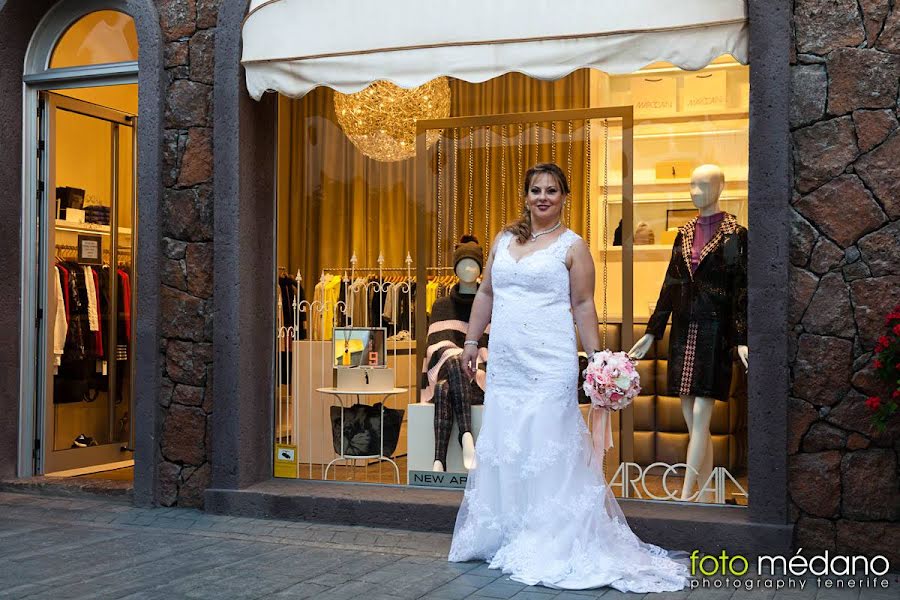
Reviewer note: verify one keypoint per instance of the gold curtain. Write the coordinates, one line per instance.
(477, 189)
(333, 201)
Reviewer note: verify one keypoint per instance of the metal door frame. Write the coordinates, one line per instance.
(49, 102)
(30, 455)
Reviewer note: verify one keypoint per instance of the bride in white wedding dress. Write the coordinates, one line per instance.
(534, 506)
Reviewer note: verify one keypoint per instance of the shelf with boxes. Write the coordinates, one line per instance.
(682, 119)
(96, 228)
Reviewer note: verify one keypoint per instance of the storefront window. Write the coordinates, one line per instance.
(356, 240)
(101, 37)
(682, 120)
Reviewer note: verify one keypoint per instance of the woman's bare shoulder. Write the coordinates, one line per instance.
(578, 249)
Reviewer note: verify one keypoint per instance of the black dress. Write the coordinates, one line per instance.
(708, 309)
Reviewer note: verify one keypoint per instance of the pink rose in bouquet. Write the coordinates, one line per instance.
(611, 380)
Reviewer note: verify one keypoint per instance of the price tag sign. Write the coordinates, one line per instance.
(90, 248)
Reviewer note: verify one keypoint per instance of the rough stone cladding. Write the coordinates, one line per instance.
(186, 303)
(845, 272)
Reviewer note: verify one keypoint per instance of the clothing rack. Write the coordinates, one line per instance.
(335, 270)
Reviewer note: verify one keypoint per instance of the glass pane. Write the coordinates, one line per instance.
(105, 36)
(83, 173)
(682, 120)
(123, 98)
(330, 182)
(344, 193)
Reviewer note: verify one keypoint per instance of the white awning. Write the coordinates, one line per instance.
(293, 46)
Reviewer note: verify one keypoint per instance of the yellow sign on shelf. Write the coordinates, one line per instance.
(674, 169)
(286, 461)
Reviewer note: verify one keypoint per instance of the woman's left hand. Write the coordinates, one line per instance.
(469, 360)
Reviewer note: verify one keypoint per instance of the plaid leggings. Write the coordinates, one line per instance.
(454, 395)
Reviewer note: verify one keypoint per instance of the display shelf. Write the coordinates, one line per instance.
(398, 345)
(640, 250)
(62, 225)
(673, 200)
(680, 186)
(698, 117)
(663, 135)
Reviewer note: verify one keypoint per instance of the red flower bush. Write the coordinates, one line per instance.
(887, 364)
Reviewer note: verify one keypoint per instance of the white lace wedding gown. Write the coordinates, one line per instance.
(534, 506)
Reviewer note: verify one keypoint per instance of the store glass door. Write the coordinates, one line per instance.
(87, 230)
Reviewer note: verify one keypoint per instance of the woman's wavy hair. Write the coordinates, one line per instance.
(521, 228)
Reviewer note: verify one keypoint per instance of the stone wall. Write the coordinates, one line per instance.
(186, 303)
(845, 273)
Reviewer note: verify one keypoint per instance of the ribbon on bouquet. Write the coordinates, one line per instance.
(601, 432)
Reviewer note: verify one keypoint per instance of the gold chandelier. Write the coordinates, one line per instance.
(381, 119)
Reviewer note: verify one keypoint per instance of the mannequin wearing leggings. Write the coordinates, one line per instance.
(444, 380)
(454, 396)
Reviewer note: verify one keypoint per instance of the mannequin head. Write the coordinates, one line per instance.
(707, 183)
(468, 260)
(468, 270)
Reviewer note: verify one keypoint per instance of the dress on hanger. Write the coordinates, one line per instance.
(534, 506)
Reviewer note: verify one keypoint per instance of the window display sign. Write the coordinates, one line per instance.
(674, 169)
(705, 92)
(437, 479)
(653, 96)
(90, 249)
(358, 346)
(286, 461)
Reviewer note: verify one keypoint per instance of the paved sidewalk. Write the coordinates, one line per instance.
(52, 547)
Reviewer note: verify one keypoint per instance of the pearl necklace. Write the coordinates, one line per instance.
(536, 235)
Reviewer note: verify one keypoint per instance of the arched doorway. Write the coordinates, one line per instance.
(81, 115)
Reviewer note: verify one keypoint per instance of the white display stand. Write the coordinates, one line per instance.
(346, 398)
(312, 369)
(420, 439)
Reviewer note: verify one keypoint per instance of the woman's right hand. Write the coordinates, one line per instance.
(470, 360)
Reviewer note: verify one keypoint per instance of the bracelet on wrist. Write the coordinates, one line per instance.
(470, 343)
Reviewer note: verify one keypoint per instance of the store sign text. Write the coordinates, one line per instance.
(631, 479)
(438, 479)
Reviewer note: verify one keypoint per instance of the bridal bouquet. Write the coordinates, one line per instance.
(611, 381)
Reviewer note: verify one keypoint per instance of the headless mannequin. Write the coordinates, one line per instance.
(468, 272)
(707, 183)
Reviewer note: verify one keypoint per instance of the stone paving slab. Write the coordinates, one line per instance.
(62, 547)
